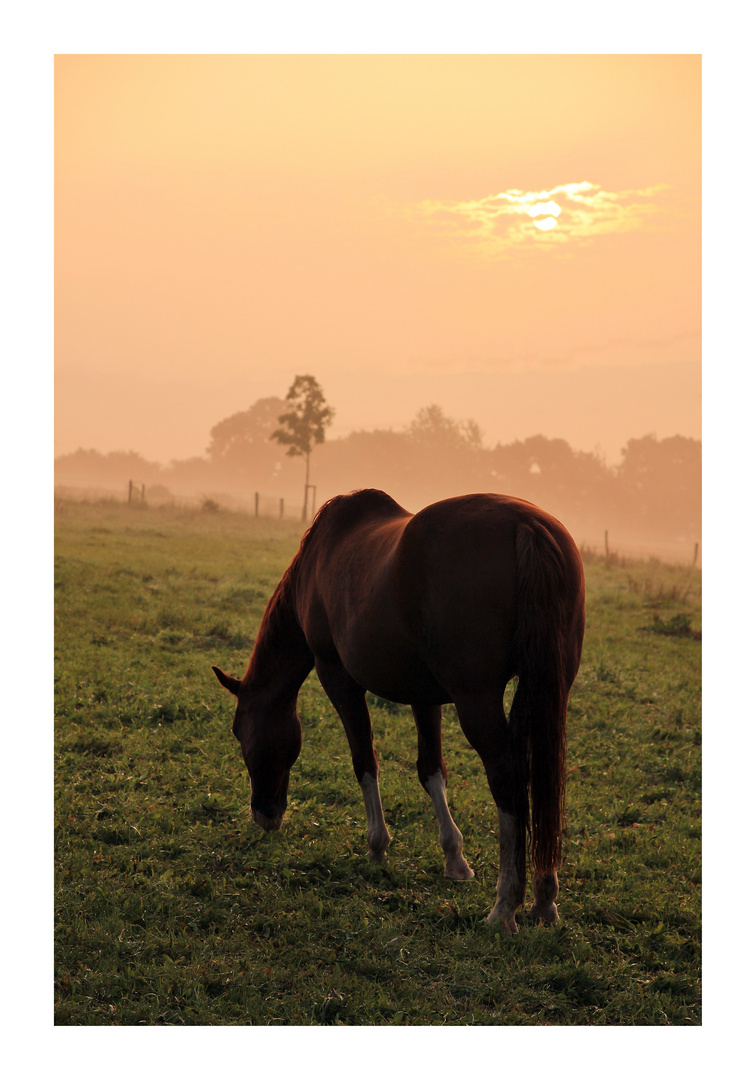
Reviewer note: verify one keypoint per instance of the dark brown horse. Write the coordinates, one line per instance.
(442, 606)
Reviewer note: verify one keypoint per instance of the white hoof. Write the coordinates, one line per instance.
(457, 868)
(504, 920)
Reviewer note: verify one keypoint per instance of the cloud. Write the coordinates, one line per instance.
(568, 213)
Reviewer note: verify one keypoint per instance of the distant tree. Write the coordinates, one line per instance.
(189, 475)
(432, 427)
(645, 459)
(118, 466)
(535, 458)
(380, 458)
(303, 425)
(661, 482)
(242, 441)
(553, 475)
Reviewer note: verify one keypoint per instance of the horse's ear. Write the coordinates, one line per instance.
(227, 681)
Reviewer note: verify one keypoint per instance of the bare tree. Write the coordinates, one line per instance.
(303, 425)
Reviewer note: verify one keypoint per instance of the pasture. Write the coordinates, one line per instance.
(171, 907)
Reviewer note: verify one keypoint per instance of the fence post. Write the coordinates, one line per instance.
(695, 554)
(257, 503)
(130, 487)
(143, 499)
(280, 509)
(606, 542)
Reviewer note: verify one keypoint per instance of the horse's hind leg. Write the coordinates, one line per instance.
(483, 722)
(348, 698)
(546, 890)
(431, 770)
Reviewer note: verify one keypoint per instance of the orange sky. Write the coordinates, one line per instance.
(515, 238)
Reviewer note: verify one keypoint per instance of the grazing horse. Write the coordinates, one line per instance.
(446, 605)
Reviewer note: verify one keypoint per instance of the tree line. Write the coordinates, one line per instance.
(655, 490)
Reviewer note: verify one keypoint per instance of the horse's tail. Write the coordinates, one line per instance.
(539, 709)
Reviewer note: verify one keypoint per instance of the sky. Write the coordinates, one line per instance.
(516, 238)
(115, 379)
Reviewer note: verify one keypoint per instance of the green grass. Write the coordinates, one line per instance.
(172, 908)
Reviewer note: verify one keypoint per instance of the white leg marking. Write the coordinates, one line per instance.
(546, 890)
(509, 886)
(377, 834)
(456, 866)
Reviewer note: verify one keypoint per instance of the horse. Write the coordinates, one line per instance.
(445, 605)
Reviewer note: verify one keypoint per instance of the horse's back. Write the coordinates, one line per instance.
(425, 604)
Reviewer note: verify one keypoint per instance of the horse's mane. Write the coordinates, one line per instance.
(341, 510)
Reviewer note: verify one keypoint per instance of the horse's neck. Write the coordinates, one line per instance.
(281, 659)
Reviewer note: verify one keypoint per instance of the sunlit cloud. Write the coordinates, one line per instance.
(545, 208)
(577, 212)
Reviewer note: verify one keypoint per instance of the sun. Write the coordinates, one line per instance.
(545, 215)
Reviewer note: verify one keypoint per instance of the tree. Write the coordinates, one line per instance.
(240, 452)
(303, 426)
(432, 428)
(242, 436)
(118, 466)
(661, 483)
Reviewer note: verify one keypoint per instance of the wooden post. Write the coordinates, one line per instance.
(606, 542)
(695, 554)
(307, 486)
(257, 504)
(280, 508)
(143, 499)
(130, 487)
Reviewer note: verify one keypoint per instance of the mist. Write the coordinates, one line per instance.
(647, 504)
(595, 408)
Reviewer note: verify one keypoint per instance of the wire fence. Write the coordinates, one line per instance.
(682, 552)
(135, 494)
(611, 547)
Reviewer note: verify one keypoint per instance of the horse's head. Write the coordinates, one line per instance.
(270, 740)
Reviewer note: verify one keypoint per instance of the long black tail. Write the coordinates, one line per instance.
(539, 709)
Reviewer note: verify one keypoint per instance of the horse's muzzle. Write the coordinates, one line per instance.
(270, 824)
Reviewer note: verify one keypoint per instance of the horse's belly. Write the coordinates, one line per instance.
(408, 687)
(385, 668)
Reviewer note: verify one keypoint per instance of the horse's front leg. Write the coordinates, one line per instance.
(431, 770)
(348, 698)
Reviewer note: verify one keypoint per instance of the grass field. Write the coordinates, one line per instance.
(172, 908)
